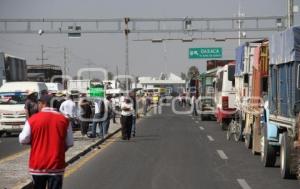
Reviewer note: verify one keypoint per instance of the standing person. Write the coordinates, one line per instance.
(68, 108)
(114, 105)
(194, 105)
(134, 114)
(108, 106)
(31, 105)
(50, 135)
(122, 98)
(144, 101)
(85, 115)
(98, 118)
(126, 118)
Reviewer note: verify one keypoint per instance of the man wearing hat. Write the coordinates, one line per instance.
(50, 135)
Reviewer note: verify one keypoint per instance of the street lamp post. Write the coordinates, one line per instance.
(126, 31)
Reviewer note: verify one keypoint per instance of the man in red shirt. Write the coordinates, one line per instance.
(50, 135)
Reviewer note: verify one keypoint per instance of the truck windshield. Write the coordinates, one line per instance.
(231, 69)
(13, 98)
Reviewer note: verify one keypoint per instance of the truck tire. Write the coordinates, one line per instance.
(268, 152)
(224, 125)
(1, 133)
(248, 140)
(286, 157)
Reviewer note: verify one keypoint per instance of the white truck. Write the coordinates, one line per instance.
(12, 102)
(81, 86)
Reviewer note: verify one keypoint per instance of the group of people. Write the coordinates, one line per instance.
(48, 129)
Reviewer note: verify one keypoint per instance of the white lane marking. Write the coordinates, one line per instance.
(210, 138)
(243, 184)
(196, 121)
(193, 118)
(201, 128)
(222, 154)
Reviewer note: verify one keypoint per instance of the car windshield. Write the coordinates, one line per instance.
(12, 98)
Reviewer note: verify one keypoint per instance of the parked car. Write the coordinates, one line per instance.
(207, 108)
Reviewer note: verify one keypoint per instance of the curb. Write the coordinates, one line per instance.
(29, 184)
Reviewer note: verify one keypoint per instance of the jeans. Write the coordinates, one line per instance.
(51, 181)
(195, 110)
(98, 120)
(133, 125)
(106, 123)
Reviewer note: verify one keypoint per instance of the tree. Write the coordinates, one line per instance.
(193, 73)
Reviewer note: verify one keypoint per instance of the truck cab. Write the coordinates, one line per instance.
(225, 94)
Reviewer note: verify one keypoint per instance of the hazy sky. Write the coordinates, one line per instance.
(108, 50)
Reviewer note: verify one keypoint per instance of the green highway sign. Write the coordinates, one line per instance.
(205, 53)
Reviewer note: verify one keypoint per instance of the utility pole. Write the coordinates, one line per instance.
(42, 59)
(126, 31)
(290, 13)
(117, 74)
(42, 55)
(65, 67)
(65, 62)
(240, 23)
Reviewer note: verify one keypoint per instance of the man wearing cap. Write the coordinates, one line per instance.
(50, 135)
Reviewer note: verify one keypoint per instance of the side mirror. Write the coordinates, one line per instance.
(296, 107)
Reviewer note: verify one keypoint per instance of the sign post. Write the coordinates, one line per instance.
(205, 53)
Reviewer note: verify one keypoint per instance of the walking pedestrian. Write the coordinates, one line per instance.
(114, 108)
(99, 118)
(68, 108)
(126, 118)
(85, 115)
(134, 114)
(108, 106)
(144, 101)
(194, 105)
(31, 105)
(50, 135)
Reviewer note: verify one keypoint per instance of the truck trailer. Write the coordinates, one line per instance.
(12, 68)
(284, 100)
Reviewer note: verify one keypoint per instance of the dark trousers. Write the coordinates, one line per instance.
(84, 126)
(51, 181)
(126, 123)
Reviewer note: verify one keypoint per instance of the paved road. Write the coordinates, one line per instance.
(9, 146)
(175, 151)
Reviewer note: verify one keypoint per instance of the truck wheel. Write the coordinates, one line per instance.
(201, 117)
(242, 126)
(237, 133)
(286, 157)
(248, 140)
(224, 125)
(268, 152)
(229, 131)
(1, 133)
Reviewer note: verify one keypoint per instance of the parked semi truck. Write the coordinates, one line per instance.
(12, 68)
(282, 128)
(246, 84)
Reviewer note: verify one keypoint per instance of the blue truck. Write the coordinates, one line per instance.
(281, 115)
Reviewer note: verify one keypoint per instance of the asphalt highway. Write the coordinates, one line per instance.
(174, 151)
(10, 146)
